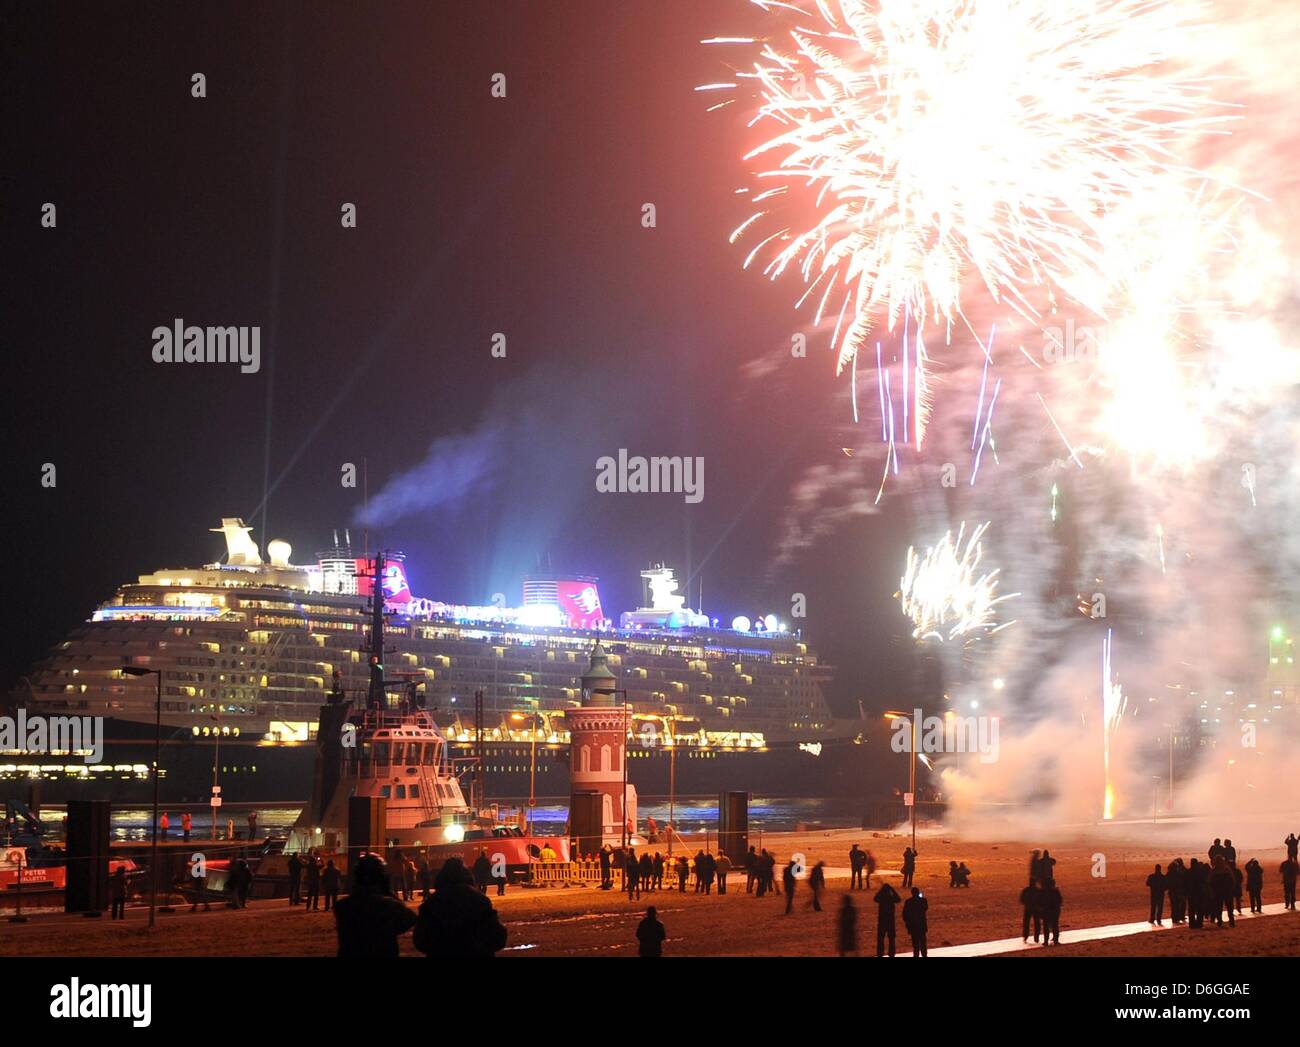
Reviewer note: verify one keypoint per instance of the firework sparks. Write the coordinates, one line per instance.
(888, 113)
(1113, 704)
(944, 593)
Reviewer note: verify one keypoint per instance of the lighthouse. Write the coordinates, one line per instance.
(598, 729)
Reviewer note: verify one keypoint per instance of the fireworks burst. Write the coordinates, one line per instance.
(1113, 704)
(942, 136)
(944, 593)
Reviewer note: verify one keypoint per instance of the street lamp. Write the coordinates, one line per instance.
(912, 772)
(534, 716)
(136, 670)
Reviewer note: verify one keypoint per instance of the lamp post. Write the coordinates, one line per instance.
(533, 717)
(912, 767)
(672, 782)
(136, 670)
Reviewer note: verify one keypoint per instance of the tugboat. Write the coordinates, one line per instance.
(393, 750)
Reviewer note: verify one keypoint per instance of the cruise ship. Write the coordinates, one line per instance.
(247, 650)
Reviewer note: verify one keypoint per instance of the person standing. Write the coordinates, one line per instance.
(1255, 885)
(647, 871)
(1156, 882)
(606, 877)
(1031, 903)
(632, 875)
(914, 919)
(1238, 879)
(848, 927)
(1176, 886)
(817, 884)
(1051, 905)
(482, 872)
(241, 880)
(909, 866)
(370, 920)
(871, 867)
(1223, 886)
(117, 893)
(187, 823)
(329, 881)
(1292, 846)
(683, 873)
(312, 875)
(1290, 868)
(751, 870)
(252, 826)
(657, 868)
(650, 935)
(295, 879)
(788, 882)
(456, 920)
(857, 862)
(886, 898)
(164, 823)
(424, 875)
(722, 866)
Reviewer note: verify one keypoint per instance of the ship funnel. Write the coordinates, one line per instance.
(240, 548)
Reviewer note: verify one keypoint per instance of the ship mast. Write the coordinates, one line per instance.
(375, 696)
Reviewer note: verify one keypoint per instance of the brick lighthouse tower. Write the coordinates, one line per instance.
(597, 760)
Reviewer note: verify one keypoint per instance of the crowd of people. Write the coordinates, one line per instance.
(1041, 900)
(1202, 893)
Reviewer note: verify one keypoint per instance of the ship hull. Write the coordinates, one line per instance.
(249, 773)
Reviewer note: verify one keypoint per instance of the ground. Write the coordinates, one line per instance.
(582, 921)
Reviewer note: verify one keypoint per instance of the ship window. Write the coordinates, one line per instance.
(381, 752)
(415, 792)
(385, 791)
(401, 792)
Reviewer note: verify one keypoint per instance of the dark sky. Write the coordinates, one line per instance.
(476, 215)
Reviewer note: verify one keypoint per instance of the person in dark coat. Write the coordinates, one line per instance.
(241, 881)
(1196, 890)
(1229, 852)
(117, 893)
(482, 872)
(1216, 851)
(817, 884)
(1051, 902)
(456, 920)
(650, 935)
(1289, 869)
(1223, 885)
(370, 920)
(1238, 878)
(857, 862)
(647, 871)
(295, 879)
(751, 870)
(1030, 899)
(1292, 846)
(909, 866)
(1176, 886)
(632, 875)
(847, 939)
(1156, 882)
(914, 919)
(683, 872)
(657, 871)
(330, 880)
(312, 876)
(886, 898)
(1255, 884)
(606, 878)
(721, 867)
(788, 881)
(424, 876)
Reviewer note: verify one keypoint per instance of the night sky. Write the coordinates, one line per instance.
(475, 215)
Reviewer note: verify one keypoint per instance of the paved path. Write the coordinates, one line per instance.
(1082, 934)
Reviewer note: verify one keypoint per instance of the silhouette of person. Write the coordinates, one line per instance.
(1157, 883)
(650, 935)
(857, 862)
(632, 875)
(1292, 845)
(370, 920)
(788, 881)
(914, 919)
(295, 879)
(1290, 868)
(312, 873)
(909, 866)
(1030, 899)
(329, 881)
(457, 920)
(1176, 886)
(886, 898)
(1051, 902)
(117, 893)
(482, 872)
(1255, 884)
(816, 884)
(847, 937)
(1223, 886)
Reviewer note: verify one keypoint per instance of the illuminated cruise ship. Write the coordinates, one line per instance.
(249, 649)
